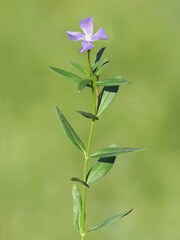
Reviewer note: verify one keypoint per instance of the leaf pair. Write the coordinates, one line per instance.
(77, 212)
(111, 86)
(105, 99)
(73, 137)
(106, 161)
(110, 89)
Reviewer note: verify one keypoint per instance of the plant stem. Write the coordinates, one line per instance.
(87, 153)
(97, 94)
(89, 62)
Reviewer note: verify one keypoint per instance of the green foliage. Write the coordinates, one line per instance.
(88, 115)
(77, 207)
(113, 151)
(98, 64)
(66, 74)
(106, 97)
(69, 132)
(83, 84)
(99, 55)
(74, 179)
(79, 67)
(106, 156)
(100, 169)
(112, 82)
(98, 72)
(109, 220)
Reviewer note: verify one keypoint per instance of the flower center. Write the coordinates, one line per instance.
(88, 37)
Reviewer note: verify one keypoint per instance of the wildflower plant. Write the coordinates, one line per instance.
(101, 100)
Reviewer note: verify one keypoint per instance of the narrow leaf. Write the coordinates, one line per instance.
(98, 72)
(98, 63)
(79, 67)
(109, 220)
(100, 169)
(83, 84)
(113, 151)
(77, 207)
(99, 55)
(88, 115)
(112, 82)
(66, 74)
(69, 132)
(106, 97)
(80, 181)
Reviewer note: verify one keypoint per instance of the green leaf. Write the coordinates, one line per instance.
(113, 151)
(100, 169)
(79, 67)
(83, 84)
(66, 74)
(80, 181)
(112, 82)
(109, 220)
(69, 132)
(88, 115)
(98, 72)
(99, 55)
(97, 64)
(77, 207)
(106, 97)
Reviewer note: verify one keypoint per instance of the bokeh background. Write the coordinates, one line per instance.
(37, 160)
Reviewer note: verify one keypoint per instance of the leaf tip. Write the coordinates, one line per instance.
(74, 179)
(128, 212)
(142, 149)
(56, 108)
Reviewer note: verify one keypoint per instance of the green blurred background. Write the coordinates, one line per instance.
(37, 160)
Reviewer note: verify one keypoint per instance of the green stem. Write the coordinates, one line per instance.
(87, 153)
(89, 62)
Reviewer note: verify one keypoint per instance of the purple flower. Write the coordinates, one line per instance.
(87, 26)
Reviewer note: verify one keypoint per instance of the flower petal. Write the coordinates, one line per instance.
(87, 26)
(75, 36)
(86, 46)
(100, 34)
